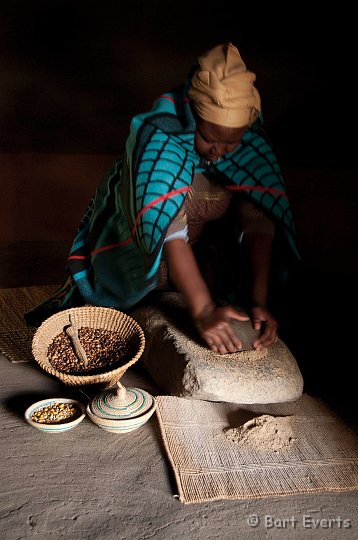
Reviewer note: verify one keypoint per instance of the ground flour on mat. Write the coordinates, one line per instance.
(270, 433)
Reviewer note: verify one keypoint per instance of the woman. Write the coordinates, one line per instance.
(197, 153)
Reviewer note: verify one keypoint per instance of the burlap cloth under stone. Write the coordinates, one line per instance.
(321, 453)
(182, 365)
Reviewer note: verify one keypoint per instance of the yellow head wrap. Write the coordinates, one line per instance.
(223, 90)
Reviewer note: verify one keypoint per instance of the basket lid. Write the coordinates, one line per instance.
(120, 403)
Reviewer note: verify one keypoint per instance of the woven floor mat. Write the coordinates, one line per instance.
(15, 335)
(322, 453)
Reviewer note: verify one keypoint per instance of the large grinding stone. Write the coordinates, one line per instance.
(182, 365)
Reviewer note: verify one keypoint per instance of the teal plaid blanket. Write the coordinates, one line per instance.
(118, 246)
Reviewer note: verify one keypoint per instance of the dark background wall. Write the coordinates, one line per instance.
(73, 72)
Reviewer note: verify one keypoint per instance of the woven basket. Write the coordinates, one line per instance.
(96, 318)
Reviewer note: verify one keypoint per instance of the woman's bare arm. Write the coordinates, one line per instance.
(212, 322)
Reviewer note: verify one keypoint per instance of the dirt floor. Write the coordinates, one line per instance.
(88, 483)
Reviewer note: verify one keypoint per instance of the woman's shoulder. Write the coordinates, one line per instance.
(170, 112)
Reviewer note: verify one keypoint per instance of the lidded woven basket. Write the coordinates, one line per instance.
(95, 318)
(120, 409)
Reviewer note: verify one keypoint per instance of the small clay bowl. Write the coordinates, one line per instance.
(58, 427)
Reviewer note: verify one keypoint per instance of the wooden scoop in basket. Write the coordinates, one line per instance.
(72, 332)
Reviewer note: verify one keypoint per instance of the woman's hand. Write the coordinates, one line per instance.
(263, 320)
(215, 328)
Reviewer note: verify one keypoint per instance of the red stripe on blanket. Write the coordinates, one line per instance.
(164, 96)
(167, 97)
(257, 188)
(139, 215)
(157, 201)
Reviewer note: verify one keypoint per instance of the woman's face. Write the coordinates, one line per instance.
(213, 141)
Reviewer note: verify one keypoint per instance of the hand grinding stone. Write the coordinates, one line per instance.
(267, 375)
(245, 332)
